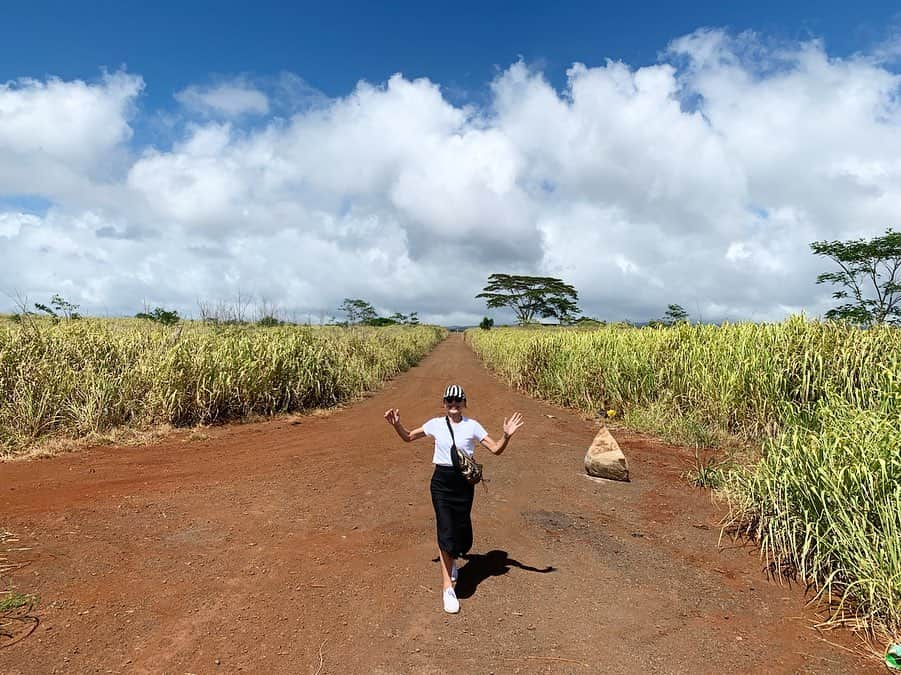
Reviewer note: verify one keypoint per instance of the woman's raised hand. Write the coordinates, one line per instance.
(513, 424)
(392, 416)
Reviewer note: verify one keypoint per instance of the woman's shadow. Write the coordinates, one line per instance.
(480, 566)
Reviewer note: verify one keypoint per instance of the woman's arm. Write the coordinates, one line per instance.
(393, 418)
(511, 426)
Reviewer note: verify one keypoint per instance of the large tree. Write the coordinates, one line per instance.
(531, 297)
(869, 276)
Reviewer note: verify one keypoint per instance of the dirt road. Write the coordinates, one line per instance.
(307, 545)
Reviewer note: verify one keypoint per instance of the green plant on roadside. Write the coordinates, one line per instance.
(825, 500)
(684, 428)
(707, 472)
(13, 600)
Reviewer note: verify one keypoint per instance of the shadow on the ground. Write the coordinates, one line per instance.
(480, 566)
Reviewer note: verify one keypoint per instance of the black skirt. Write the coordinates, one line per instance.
(452, 498)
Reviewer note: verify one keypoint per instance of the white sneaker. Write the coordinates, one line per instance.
(454, 571)
(451, 604)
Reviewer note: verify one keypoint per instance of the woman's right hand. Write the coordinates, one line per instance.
(392, 416)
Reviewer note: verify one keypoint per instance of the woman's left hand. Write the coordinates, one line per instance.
(513, 424)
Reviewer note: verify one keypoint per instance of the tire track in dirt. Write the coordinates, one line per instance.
(283, 545)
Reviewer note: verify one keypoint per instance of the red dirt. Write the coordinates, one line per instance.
(308, 546)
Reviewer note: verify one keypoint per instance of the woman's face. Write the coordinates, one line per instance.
(454, 405)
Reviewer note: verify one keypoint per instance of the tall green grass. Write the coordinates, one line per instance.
(78, 378)
(821, 399)
(825, 503)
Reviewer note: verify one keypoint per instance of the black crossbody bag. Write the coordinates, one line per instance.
(466, 465)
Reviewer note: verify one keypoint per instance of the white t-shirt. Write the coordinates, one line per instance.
(466, 434)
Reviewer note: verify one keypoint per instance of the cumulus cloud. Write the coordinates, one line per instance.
(700, 180)
(65, 138)
(228, 99)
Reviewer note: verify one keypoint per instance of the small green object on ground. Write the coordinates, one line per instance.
(893, 657)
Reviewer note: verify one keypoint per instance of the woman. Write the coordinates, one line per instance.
(451, 493)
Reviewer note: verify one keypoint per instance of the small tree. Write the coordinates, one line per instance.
(674, 314)
(59, 306)
(870, 276)
(531, 297)
(159, 315)
(486, 324)
(357, 311)
(268, 314)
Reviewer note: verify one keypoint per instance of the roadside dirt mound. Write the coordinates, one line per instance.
(307, 545)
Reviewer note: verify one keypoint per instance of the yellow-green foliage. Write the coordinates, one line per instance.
(825, 500)
(75, 378)
(824, 399)
(744, 379)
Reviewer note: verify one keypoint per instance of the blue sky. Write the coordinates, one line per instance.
(171, 153)
(333, 45)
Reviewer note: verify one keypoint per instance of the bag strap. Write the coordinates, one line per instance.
(451, 430)
(453, 451)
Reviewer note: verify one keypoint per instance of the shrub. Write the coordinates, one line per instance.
(269, 321)
(161, 316)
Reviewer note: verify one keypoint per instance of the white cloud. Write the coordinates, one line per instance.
(699, 180)
(11, 223)
(65, 138)
(228, 99)
(71, 122)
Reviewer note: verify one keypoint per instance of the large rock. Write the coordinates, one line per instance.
(604, 459)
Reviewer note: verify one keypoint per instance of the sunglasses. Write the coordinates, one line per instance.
(454, 399)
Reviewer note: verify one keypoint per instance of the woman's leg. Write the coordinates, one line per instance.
(448, 597)
(446, 561)
(445, 526)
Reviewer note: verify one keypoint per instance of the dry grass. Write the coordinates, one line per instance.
(822, 401)
(98, 382)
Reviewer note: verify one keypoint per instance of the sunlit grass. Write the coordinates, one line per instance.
(820, 400)
(79, 378)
